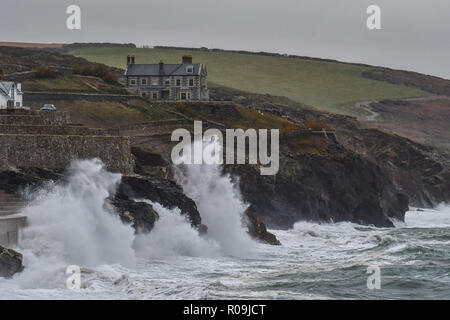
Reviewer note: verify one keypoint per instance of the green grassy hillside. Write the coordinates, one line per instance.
(331, 86)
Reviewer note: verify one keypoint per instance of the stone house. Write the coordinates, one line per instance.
(182, 81)
(11, 95)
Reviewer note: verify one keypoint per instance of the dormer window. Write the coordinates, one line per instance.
(190, 69)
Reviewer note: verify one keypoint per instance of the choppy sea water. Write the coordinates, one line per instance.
(71, 225)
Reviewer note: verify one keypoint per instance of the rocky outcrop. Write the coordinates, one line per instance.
(258, 230)
(320, 181)
(148, 162)
(140, 215)
(10, 262)
(16, 181)
(417, 170)
(127, 200)
(156, 189)
(420, 171)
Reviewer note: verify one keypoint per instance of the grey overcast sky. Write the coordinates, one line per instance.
(415, 34)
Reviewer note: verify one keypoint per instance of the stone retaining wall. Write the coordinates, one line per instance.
(49, 96)
(53, 130)
(40, 118)
(57, 152)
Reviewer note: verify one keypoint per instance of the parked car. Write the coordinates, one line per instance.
(48, 107)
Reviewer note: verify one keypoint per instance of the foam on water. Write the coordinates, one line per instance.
(70, 224)
(173, 236)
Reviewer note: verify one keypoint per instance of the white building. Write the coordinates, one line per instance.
(10, 95)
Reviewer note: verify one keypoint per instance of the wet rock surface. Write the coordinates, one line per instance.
(156, 189)
(10, 262)
(419, 171)
(258, 230)
(321, 187)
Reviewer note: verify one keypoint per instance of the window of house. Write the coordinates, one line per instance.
(178, 82)
(155, 81)
(133, 82)
(144, 82)
(189, 69)
(155, 95)
(167, 82)
(189, 95)
(183, 96)
(191, 82)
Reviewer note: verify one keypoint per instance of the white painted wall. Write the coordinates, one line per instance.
(16, 93)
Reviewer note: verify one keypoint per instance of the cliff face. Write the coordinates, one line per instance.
(327, 184)
(419, 171)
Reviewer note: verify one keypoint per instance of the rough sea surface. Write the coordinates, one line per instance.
(70, 225)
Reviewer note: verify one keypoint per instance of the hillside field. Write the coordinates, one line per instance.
(331, 86)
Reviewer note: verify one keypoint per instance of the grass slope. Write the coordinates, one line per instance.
(331, 86)
(106, 114)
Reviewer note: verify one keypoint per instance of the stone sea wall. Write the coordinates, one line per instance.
(56, 152)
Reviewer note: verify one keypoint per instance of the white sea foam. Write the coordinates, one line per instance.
(220, 206)
(174, 262)
(173, 235)
(70, 224)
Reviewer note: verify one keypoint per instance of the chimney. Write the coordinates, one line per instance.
(132, 59)
(128, 60)
(161, 67)
(187, 59)
(19, 87)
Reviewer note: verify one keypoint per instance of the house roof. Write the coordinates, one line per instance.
(168, 69)
(5, 87)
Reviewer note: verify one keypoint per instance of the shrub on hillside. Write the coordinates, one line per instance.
(44, 72)
(97, 70)
(110, 78)
(315, 125)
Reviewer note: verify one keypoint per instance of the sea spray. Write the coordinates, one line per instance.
(173, 235)
(219, 204)
(71, 224)
(439, 217)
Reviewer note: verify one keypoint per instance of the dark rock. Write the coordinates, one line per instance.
(140, 215)
(257, 229)
(156, 189)
(27, 178)
(10, 262)
(147, 161)
(322, 182)
(417, 170)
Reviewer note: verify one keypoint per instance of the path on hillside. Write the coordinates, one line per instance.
(373, 115)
